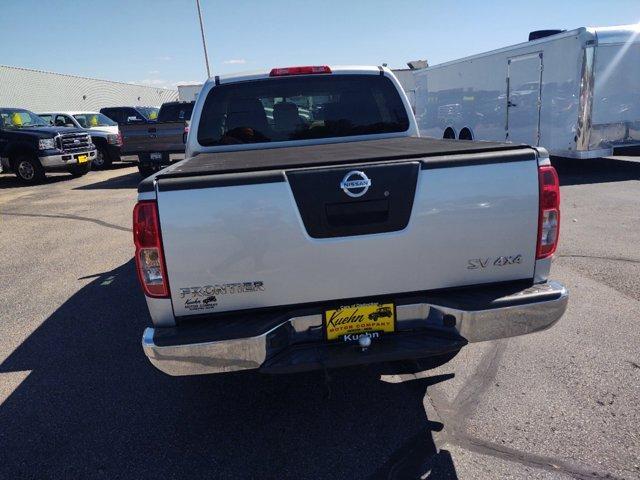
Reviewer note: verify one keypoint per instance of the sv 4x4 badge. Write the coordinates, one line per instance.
(475, 263)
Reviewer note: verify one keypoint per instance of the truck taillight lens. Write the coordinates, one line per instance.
(549, 212)
(152, 270)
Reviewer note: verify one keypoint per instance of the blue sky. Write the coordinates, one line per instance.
(158, 42)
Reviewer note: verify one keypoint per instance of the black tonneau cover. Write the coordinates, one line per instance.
(401, 148)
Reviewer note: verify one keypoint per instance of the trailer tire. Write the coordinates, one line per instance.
(465, 134)
(449, 134)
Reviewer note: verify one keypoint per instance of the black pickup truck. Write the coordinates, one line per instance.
(29, 146)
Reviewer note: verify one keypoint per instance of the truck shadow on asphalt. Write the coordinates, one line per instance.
(128, 180)
(92, 406)
(9, 180)
(598, 170)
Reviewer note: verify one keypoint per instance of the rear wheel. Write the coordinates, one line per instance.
(102, 159)
(28, 169)
(80, 169)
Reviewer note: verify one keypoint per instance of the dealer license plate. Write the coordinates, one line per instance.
(82, 158)
(156, 156)
(350, 321)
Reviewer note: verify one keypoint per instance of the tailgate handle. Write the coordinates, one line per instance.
(357, 213)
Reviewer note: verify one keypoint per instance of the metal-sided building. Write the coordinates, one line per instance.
(42, 91)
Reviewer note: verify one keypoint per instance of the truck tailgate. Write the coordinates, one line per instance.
(168, 136)
(135, 138)
(153, 137)
(284, 236)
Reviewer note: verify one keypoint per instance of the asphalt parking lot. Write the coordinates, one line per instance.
(78, 399)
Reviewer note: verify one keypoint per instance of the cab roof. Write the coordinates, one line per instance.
(263, 74)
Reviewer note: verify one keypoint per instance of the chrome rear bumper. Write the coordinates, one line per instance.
(453, 323)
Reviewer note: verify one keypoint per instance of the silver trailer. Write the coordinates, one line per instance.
(576, 93)
(189, 93)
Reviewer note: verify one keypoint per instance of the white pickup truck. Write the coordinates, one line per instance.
(309, 227)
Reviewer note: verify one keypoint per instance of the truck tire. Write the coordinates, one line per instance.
(80, 170)
(146, 170)
(28, 169)
(103, 160)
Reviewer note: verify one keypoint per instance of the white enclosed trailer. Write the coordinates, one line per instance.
(408, 81)
(576, 93)
(190, 92)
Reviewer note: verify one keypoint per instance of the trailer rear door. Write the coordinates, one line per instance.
(524, 76)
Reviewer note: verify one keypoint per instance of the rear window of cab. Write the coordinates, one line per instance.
(176, 112)
(301, 108)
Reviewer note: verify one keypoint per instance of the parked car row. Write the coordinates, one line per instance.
(32, 144)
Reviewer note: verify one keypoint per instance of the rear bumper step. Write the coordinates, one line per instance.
(427, 326)
(399, 346)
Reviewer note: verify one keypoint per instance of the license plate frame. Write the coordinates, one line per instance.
(155, 156)
(360, 318)
(83, 158)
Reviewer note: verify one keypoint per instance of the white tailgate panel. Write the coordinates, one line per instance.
(253, 233)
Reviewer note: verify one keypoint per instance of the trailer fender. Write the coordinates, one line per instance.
(466, 134)
(449, 133)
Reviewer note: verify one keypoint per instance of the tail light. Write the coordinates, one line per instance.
(152, 271)
(119, 139)
(185, 134)
(309, 70)
(549, 212)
